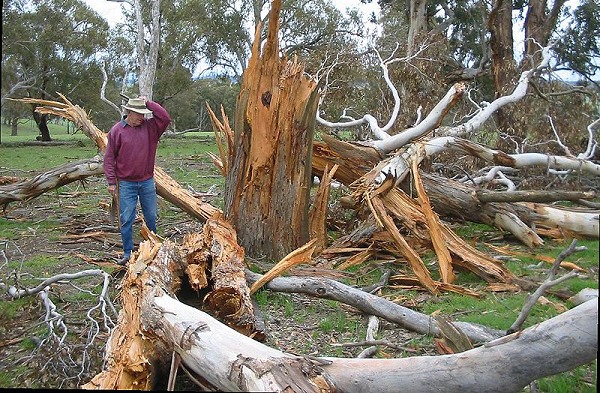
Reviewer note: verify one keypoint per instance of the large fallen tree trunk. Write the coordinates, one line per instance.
(232, 362)
(449, 198)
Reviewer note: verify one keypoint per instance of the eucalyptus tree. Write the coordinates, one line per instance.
(50, 46)
(447, 41)
(579, 49)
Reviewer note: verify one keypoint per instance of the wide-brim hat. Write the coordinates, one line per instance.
(137, 105)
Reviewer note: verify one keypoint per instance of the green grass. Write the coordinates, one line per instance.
(23, 159)
(27, 131)
(580, 380)
(7, 377)
(15, 229)
(338, 321)
(11, 309)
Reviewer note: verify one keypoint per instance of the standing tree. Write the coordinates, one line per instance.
(49, 46)
(269, 161)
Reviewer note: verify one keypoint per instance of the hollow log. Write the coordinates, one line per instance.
(214, 256)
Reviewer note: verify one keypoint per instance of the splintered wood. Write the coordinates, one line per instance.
(406, 227)
(318, 212)
(215, 258)
(135, 342)
(295, 258)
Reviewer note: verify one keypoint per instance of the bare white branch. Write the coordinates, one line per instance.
(59, 277)
(52, 317)
(592, 144)
(437, 145)
(548, 283)
(103, 90)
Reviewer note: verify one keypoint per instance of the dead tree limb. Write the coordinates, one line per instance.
(532, 196)
(549, 282)
(371, 305)
(70, 172)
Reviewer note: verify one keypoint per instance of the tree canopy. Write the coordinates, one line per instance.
(434, 43)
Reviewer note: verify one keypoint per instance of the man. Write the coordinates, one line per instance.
(129, 165)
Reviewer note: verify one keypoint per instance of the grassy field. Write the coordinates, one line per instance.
(36, 236)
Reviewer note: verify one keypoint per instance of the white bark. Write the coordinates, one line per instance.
(147, 59)
(523, 160)
(424, 127)
(381, 133)
(103, 90)
(585, 222)
(513, 224)
(233, 362)
(418, 22)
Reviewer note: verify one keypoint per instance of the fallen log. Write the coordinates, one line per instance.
(230, 361)
(70, 172)
(372, 305)
(581, 223)
(135, 349)
(533, 196)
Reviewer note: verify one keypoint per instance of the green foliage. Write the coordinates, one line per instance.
(580, 43)
(39, 61)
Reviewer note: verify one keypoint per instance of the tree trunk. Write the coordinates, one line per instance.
(539, 27)
(503, 65)
(370, 304)
(417, 23)
(230, 361)
(147, 58)
(269, 173)
(14, 126)
(213, 264)
(42, 123)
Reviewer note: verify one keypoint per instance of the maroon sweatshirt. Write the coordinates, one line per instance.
(131, 151)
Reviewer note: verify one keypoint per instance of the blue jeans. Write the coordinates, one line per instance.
(129, 193)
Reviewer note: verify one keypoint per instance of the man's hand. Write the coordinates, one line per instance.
(112, 189)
